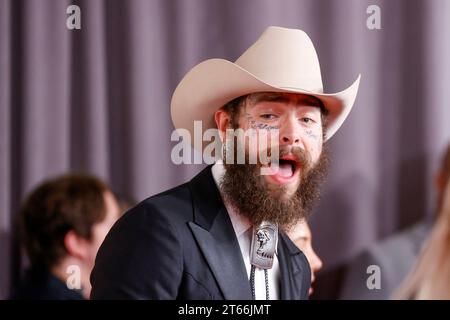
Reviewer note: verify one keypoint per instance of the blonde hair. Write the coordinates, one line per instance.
(430, 276)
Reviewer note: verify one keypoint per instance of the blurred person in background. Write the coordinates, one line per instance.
(430, 277)
(63, 222)
(302, 237)
(125, 202)
(394, 255)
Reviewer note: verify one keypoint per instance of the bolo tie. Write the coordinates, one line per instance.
(262, 252)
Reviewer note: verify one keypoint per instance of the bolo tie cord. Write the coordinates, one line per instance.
(252, 282)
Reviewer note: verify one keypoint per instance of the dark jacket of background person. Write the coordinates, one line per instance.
(40, 284)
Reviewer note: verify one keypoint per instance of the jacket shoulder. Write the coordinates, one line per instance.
(174, 205)
(142, 255)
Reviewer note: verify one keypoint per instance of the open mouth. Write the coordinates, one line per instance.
(287, 167)
(286, 170)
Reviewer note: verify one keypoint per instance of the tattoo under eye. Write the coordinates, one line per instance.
(257, 125)
(311, 134)
(264, 126)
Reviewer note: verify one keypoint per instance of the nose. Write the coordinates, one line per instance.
(290, 132)
(316, 263)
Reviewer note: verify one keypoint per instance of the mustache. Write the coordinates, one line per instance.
(263, 158)
(294, 153)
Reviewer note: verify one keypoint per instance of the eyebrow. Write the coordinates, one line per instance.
(283, 98)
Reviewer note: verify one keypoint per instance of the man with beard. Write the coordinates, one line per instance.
(222, 234)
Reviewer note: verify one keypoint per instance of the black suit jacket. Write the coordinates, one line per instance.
(180, 244)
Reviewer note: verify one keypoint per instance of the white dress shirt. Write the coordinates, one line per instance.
(243, 229)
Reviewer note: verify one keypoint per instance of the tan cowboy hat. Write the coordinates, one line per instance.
(281, 60)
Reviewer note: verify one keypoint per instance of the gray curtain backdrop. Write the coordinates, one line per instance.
(97, 100)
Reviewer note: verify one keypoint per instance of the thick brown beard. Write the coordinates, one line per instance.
(247, 191)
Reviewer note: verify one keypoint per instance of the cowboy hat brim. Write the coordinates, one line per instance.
(214, 82)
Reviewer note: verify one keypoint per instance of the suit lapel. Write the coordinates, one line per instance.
(216, 238)
(294, 273)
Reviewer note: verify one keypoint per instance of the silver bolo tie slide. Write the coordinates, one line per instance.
(262, 252)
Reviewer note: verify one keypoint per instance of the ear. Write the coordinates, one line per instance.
(223, 122)
(76, 245)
